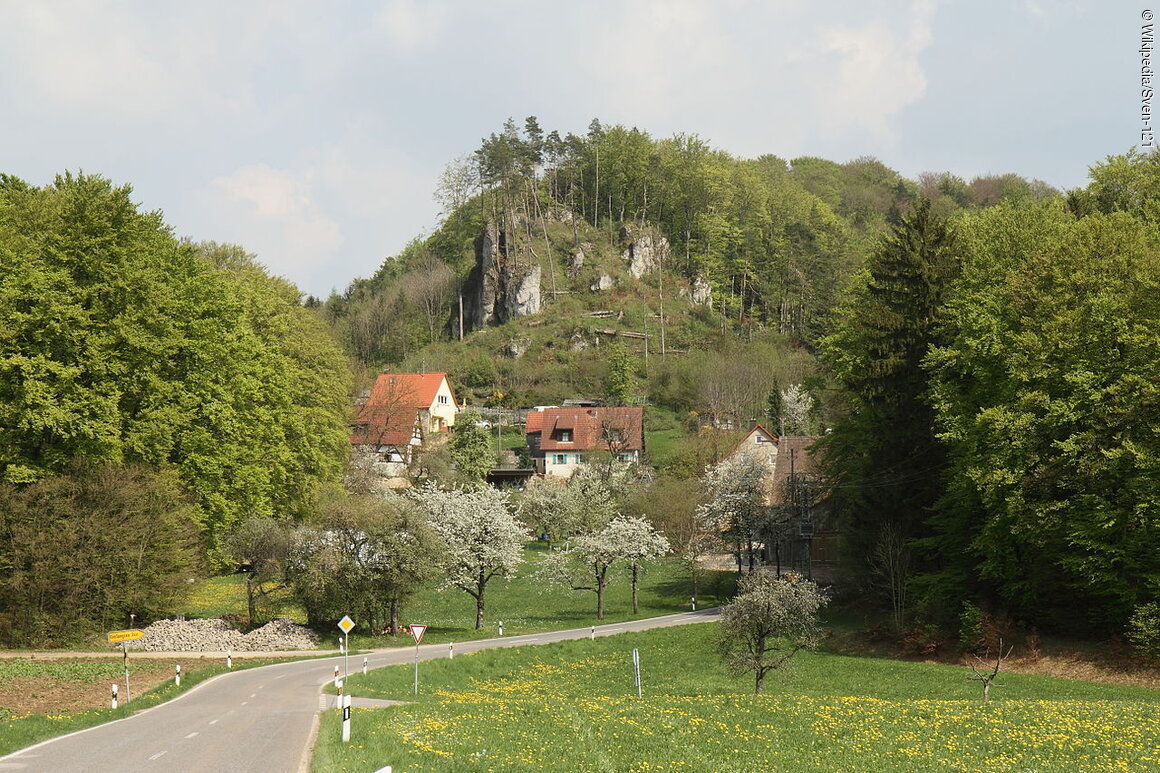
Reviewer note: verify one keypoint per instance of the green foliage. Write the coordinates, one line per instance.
(1051, 356)
(1144, 630)
(82, 550)
(122, 344)
(619, 384)
(884, 450)
(470, 448)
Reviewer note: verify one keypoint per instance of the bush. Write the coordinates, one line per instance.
(1144, 630)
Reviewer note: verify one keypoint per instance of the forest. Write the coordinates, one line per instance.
(979, 358)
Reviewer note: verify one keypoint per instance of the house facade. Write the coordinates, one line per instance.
(799, 533)
(401, 413)
(561, 440)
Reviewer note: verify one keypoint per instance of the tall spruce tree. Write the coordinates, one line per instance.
(884, 456)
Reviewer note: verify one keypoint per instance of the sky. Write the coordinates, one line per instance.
(313, 133)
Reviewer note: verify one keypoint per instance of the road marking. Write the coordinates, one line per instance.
(191, 735)
(213, 721)
(253, 695)
(280, 677)
(244, 702)
(159, 754)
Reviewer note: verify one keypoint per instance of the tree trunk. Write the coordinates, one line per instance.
(759, 682)
(251, 603)
(600, 594)
(635, 571)
(480, 586)
(393, 625)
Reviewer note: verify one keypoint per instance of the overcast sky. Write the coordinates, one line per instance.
(313, 133)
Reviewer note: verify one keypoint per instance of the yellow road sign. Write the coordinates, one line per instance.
(129, 635)
(346, 624)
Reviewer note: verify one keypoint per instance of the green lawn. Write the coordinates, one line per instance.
(573, 707)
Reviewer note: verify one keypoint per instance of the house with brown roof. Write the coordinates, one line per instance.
(561, 440)
(401, 413)
(800, 532)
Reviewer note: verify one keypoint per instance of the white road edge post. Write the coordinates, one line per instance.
(338, 700)
(593, 633)
(177, 676)
(450, 650)
(114, 695)
(230, 659)
(364, 666)
(345, 717)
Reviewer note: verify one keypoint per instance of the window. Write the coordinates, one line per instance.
(443, 400)
(759, 439)
(564, 435)
(560, 459)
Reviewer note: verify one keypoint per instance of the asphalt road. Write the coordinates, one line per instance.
(260, 720)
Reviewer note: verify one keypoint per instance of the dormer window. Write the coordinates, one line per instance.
(564, 435)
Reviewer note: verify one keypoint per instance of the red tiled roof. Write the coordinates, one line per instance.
(406, 390)
(586, 425)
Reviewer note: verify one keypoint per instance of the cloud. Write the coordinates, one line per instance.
(273, 213)
(410, 25)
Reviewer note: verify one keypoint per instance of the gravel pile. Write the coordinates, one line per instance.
(216, 635)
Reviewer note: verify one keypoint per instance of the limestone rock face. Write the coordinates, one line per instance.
(644, 249)
(504, 284)
(517, 348)
(702, 292)
(602, 284)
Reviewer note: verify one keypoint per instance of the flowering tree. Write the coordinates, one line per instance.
(639, 542)
(482, 538)
(768, 622)
(738, 488)
(585, 565)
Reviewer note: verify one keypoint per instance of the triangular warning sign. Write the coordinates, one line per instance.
(417, 631)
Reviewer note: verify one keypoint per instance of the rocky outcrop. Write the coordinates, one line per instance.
(644, 249)
(504, 284)
(702, 294)
(601, 284)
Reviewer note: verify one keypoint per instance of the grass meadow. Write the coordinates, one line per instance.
(523, 604)
(573, 707)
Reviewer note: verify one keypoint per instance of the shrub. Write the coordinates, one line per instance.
(1144, 630)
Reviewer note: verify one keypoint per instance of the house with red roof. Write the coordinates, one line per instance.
(401, 413)
(561, 440)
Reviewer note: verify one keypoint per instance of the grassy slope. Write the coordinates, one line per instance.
(573, 707)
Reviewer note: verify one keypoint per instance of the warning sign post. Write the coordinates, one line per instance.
(417, 632)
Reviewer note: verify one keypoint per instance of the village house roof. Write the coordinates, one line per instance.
(406, 390)
(585, 427)
(391, 411)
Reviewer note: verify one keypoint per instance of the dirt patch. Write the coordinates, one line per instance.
(57, 693)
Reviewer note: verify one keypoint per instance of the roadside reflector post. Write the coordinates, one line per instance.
(636, 669)
(338, 699)
(450, 650)
(114, 695)
(177, 676)
(230, 659)
(694, 603)
(593, 633)
(364, 666)
(345, 700)
(501, 627)
(336, 677)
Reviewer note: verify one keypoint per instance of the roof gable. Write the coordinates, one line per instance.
(586, 428)
(407, 390)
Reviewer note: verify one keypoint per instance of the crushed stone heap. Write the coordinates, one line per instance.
(216, 635)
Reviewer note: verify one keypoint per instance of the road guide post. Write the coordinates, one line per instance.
(177, 676)
(345, 701)
(417, 632)
(114, 695)
(636, 669)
